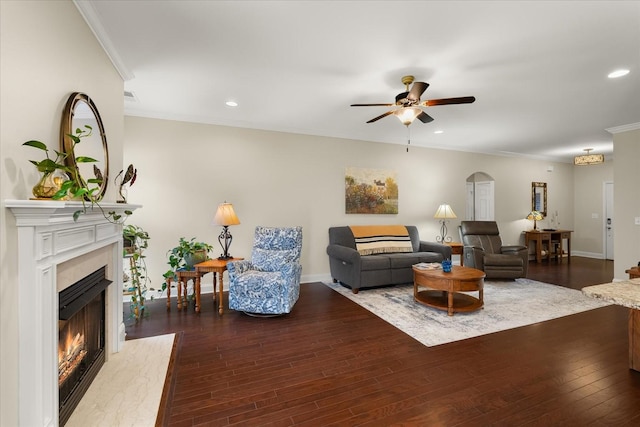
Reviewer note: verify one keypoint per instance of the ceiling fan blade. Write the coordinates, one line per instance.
(417, 90)
(372, 105)
(380, 116)
(401, 98)
(424, 117)
(447, 101)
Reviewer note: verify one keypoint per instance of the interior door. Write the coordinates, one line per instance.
(608, 223)
(484, 201)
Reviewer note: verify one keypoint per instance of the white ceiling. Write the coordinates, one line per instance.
(538, 69)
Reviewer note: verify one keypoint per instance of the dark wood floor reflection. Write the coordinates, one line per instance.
(330, 362)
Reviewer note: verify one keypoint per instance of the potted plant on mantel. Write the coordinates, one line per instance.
(60, 182)
(53, 172)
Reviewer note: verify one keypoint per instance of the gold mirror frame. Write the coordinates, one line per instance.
(71, 121)
(539, 197)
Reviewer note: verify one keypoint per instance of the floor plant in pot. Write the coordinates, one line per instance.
(136, 240)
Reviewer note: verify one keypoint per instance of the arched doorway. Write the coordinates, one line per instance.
(480, 197)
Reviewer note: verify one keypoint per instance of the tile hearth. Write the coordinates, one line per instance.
(128, 388)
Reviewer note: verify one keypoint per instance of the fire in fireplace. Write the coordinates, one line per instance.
(81, 339)
(71, 352)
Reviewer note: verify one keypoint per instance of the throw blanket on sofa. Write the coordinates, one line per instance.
(381, 239)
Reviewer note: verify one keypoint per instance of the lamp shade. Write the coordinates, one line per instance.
(225, 215)
(445, 212)
(535, 215)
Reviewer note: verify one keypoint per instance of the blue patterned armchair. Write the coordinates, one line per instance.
(269, 283)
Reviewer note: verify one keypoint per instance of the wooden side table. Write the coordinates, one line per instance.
(634, 273)
(457, 248)
(214, 266)
(183, 276)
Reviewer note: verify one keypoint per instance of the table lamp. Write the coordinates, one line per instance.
(443, 213)
(535, 216)
(225, 216)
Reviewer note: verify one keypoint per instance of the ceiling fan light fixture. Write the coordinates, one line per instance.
(588, 159)
(407, 114)
(405, 107)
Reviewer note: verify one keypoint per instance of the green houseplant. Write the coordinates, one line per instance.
(53, 171)
(69, 184)
(186, 255)
(134, 238)
(138, 241)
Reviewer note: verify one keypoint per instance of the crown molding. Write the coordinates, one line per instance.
(92, 19)
(623, 128)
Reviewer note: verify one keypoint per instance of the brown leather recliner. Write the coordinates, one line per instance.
(483, 250)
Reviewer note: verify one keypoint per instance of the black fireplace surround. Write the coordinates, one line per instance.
(81, 322)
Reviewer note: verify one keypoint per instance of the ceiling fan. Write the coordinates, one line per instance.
(409, 103)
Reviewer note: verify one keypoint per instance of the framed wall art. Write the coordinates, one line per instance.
(370, 191)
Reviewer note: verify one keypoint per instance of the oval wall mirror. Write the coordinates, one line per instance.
(79, 112)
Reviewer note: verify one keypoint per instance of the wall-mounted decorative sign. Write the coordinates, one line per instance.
(370, 191)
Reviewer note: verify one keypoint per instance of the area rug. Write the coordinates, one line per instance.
(507, 305)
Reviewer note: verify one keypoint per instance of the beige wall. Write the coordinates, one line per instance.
(185, 170)
(626, 202)
(48, 52)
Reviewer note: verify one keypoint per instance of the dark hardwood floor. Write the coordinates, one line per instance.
(331, 362)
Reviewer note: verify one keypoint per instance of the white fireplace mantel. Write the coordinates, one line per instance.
(47, 237)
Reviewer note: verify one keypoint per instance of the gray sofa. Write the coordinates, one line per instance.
(364, 271)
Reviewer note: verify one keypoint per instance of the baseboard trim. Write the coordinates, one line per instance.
(588, 254)
(207, 288)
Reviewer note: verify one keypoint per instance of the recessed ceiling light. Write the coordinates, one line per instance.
(231, 103)
(618, 73)
(439, 131)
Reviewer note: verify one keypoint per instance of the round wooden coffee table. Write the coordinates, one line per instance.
(444, 289)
